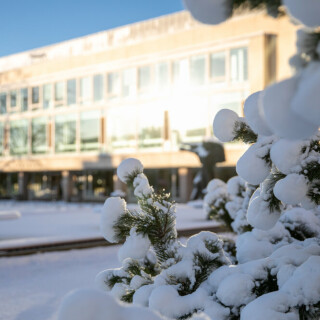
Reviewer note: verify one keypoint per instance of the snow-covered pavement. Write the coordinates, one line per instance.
(32, 287)
(46, 222)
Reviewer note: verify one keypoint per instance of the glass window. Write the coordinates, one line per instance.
(59, 92)
(39, 135)
(13, 98)
(98, 85)
(151, 118)
(122, 127)
(89, 130)
(162, 74)
(1, 137)
(47, 96)
(239, 64)
(3, 102)
(144, 74)
(24, 99)
(191, 128)
(85, 90)
(218, 66)
(198, 70)
(230, 100)
(180, 71)
(65, 133)
(71, 92)
(129, 82)
(35, 97)
(19, 137)
(114, 84)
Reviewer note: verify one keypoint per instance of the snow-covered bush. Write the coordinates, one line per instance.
(228, 203)
(277, 275)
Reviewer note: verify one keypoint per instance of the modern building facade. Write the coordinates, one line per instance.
(71, 112)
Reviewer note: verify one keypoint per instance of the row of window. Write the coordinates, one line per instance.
(126, 128)
(229, 65)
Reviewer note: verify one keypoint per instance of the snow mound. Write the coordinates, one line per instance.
(254, 115)
(112, 209)
(129, 167)
(223, 125)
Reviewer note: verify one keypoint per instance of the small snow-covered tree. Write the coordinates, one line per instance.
(228, 203)
(277, 275)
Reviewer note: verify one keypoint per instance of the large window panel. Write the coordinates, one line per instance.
(239, 64)
(59, 93)
(180, 72)
(65, 133)
(3, 103)
(231, 100)
(218, 66)
(162, 74)
(188, 128)
(19, 137)
(144, 74)
(39, 135)
(47, 96)
(129, 82)
(35, 95)
(71, 92)
(122, 127)
(151, 119)
(198, 70)
(89, 130)
(24, 99)
(85, 90)
(114, 84)
(13, 99)
(98, 88)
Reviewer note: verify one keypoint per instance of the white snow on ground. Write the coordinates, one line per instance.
(43, 222)
(32, 287)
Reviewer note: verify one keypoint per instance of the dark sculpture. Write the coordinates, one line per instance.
(209, 153)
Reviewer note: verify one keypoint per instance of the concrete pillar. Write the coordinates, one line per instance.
(66, 185)
(185, 184)
(22, 182)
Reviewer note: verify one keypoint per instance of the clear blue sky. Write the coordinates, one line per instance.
(29, 24)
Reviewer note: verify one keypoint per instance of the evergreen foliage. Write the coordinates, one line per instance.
(242, 132)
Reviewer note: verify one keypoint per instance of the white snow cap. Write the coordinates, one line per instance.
(259, 215)
(112, 209)
(306, 11)
(167, 301)
(254, 114)
(236, 290)
(136, 246)
(285, 154)
(128, 167)
(305, 102)
(285, 123)
(88, 304)
(209, 11)
(234, 185)
(273, 305)
(292, 189)
(141, 186)
(251, 167)
(223, 124)
(215, 184)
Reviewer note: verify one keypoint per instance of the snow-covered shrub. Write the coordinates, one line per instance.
(277, 275)
(228, 202)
